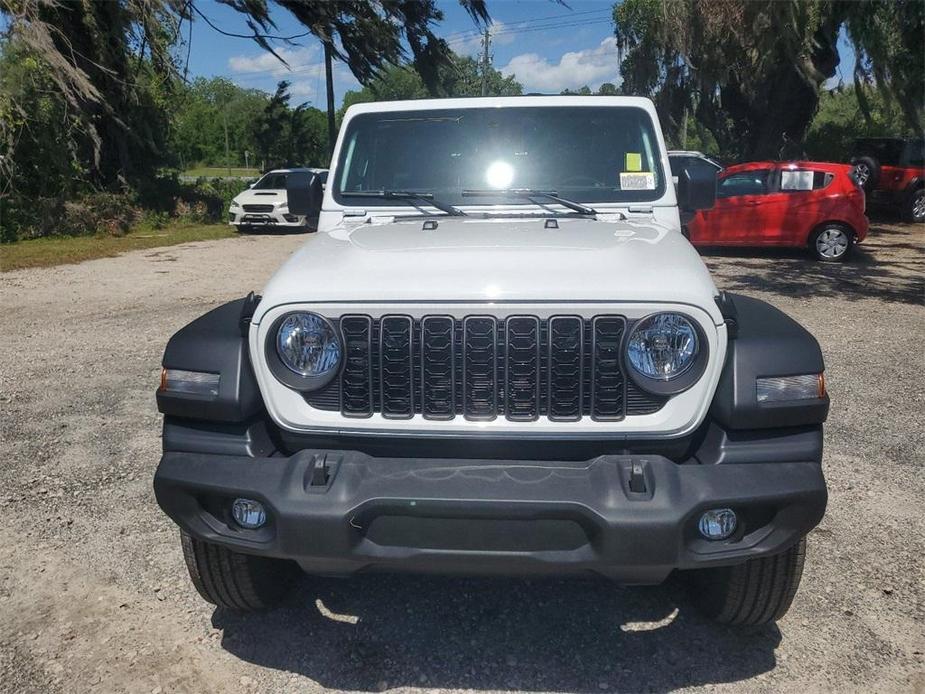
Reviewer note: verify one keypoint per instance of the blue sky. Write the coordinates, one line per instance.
(547, 46)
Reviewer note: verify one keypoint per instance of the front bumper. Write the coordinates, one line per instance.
(484, 516)
(262, 219)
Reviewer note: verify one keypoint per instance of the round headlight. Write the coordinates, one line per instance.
(663, 346)
(307, 345)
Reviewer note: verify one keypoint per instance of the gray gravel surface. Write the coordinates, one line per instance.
(94, 596)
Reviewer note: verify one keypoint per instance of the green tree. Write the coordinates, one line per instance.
(367, 36)
(115, 65)
(460, 76)
(840, 120)
(201, 113)
(269, 129)
(111, 64)
(751, 72)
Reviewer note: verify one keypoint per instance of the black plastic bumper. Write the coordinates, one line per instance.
(471, 516)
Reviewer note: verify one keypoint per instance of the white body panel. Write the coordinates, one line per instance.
(496, 260)
(677, 418)
(632, 260)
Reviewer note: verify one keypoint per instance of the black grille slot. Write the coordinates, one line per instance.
(640, 402)
(396, 378)
(607, 383)
(257, 208)
(438, 377)
(566, 377)
(357, 378)
(522, 368)
(480, 366)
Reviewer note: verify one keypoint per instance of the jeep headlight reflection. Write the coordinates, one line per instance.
(662, 346)
(307, 344)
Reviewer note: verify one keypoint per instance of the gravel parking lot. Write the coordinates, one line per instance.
(94, 595)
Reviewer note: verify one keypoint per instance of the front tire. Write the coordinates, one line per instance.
(759, 591)
(831, 243)
(239, 582)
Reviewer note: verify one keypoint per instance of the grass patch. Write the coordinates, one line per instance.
(60, 250)
(221, 172)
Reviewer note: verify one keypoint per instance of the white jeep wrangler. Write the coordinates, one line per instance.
(500, 355)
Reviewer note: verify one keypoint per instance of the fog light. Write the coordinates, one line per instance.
(248, 513)
(718, 523)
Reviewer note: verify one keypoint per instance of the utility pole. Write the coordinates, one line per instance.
(329, 82)
(486, 42)
(225, 121)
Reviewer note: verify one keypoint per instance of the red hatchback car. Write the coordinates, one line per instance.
(799, 204)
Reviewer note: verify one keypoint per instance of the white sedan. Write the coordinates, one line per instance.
(264, 204)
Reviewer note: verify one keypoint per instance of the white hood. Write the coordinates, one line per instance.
(495, 260)
(252, 196)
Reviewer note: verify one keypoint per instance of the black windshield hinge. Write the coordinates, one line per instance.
(727, 309)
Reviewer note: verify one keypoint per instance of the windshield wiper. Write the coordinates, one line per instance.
(529, 193)
(405, 195)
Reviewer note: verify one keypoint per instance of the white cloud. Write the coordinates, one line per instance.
(305, 73)
(267, 63)
(309, 85)
(592, 67)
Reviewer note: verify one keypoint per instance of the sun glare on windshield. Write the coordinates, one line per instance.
(499, 174)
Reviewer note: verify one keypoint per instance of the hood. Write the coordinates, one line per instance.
(261, 197)
(504, 259)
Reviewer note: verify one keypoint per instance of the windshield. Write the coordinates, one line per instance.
(272, 181)
(583, 153)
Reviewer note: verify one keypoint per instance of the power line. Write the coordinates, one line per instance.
(471, 33)
(550, 27)
(247, 36)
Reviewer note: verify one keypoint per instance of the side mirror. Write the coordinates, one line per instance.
(696, 190)
(304, 193)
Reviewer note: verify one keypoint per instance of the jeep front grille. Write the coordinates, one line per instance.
(482, 367)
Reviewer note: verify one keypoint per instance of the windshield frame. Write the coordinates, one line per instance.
(500, 204)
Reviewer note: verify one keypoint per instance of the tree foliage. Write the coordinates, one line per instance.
(286, 136)
(840, 120)
(204, 111)
(751, 71)
(367, 36)
(111, 63)
(459, 76)
(116, 69)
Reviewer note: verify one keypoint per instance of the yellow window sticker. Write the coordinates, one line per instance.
(633, 161)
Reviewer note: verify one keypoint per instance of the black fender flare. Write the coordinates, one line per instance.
(766, 343)
(216, 342)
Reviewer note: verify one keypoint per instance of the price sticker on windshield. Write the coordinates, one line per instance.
(643, 180)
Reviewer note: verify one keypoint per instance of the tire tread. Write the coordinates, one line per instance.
(233, 580)
(755, 592)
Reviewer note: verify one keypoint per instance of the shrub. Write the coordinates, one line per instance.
(106, 213)
(152, 205)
